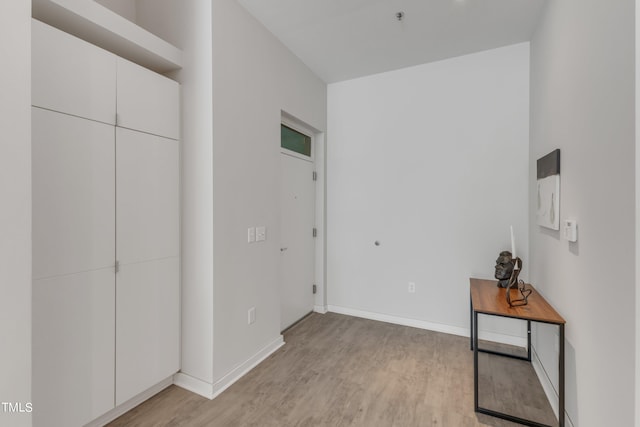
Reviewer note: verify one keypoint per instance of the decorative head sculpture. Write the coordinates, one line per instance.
(504, 268)
(507, 272)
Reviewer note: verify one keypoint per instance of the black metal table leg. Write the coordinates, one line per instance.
(529, 340)
(471, 320)
(475, 360)
(561, 379)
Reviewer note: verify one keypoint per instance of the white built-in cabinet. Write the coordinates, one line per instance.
(105, 229)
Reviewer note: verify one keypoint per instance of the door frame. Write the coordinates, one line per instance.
(318, 157)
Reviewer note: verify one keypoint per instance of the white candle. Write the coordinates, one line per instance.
(513, 245)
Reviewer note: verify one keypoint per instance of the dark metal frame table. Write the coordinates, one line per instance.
(487, 298)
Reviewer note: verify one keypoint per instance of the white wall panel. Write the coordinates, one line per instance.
(71, 75)
(147, 101)
(73, 194)
(147, 325)
(73, 348)
(148, 201)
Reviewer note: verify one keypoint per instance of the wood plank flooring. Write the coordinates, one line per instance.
(338, 370)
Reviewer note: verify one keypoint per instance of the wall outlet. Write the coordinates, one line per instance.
(251, 316)
(412, 287)
(261, 233)
(251, 234)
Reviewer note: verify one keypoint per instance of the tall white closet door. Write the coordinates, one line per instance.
(147, 248)
(73, 255)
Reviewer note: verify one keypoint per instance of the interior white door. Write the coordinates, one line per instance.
(297, 247)
(147, 248)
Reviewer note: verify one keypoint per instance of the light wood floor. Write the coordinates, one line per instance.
(338, 370)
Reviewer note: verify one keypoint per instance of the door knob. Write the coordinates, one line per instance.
(283, 249)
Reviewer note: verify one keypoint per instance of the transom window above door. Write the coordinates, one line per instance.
(291, 139)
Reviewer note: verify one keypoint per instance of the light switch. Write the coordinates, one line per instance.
(570, 228)
(261, 234)
(251, 234)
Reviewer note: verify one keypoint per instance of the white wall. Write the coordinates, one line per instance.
(187, 25)
(582, 101)
(254, 78)
(432, 162)
(125, 8)
(15, 211)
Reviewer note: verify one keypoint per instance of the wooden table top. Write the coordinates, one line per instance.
(487, 297)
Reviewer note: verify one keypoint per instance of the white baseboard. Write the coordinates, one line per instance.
(502, 338)
(322, 309)
(225, 382)
(194, 385)
(421, 324)
(547, 386)
(211, 391)
(130, 404)
(431, 326)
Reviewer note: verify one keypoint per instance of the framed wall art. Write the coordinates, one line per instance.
(548, 197)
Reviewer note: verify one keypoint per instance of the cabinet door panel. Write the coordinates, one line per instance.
(73, 348)
(147, 325)
(147, 101)
(148, 205)
(72, 76)
(73, 194)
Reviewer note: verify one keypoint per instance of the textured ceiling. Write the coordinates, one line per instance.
(345, 39)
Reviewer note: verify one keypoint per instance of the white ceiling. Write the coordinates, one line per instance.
(345, 39)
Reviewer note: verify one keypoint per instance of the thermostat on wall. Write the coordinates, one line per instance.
(570, 228)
